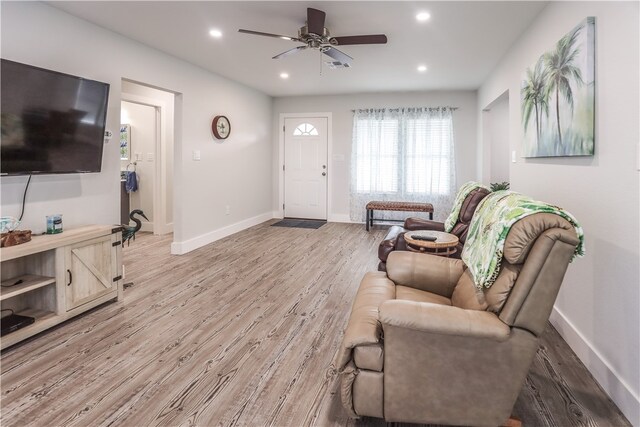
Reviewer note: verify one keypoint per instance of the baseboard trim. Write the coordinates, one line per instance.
(181, 248)
(339, 218)
(277, 214)
(608, 378)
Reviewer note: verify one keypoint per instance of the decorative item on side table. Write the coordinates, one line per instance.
(558, 97)
(221, 127)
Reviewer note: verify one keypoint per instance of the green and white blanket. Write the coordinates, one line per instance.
(462, 194)
(490, 226)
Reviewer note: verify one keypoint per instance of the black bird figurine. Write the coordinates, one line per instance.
(128, 231)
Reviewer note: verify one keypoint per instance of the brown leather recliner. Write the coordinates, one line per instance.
(394, 240)
(424, 345)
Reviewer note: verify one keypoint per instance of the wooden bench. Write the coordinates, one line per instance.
(395, 206)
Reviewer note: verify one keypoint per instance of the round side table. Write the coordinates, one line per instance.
(444, 245)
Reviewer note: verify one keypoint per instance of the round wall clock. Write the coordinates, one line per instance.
(221, 127)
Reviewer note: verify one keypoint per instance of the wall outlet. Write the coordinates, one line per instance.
(196, 155)
(227, 210)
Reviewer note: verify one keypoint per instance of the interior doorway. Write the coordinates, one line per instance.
(305, 167)
(147, 116)
(496, 147)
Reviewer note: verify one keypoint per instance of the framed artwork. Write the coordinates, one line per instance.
(125, 142)
(558, 97)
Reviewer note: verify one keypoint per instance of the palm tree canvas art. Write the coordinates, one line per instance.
(558, 97)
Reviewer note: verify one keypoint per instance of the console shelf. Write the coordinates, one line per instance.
(61, 276)
(29, 283)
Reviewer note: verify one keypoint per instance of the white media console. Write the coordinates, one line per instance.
(60, 276)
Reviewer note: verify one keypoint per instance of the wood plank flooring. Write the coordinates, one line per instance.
(238, 333)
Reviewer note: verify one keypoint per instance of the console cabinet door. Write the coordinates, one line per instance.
(89, 272)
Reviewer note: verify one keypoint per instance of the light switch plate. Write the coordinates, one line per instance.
(196, 155)
(513, 156)
(150, 157)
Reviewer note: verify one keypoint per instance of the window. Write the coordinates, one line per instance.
(305, 129)
(404, 155)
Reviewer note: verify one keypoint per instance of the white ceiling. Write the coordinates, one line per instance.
(460, 44)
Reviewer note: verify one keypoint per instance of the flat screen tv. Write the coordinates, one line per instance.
(51, 122)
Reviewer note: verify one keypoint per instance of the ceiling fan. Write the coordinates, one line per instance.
(314, 35)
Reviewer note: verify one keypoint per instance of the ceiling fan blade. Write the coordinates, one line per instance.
(258, 33)
(369, 39)
(315, 21)
(337, 55)
(290, 52)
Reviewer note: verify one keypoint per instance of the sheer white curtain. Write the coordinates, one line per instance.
(403, 154)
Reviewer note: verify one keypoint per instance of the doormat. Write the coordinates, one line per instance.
(299, 223)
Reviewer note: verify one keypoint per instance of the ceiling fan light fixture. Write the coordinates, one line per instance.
(422, 68)
(215, 33)
(423, 16)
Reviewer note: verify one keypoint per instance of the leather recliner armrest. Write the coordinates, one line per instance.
(443, 319)
(429, 273)
(389, 244)
(414, 224)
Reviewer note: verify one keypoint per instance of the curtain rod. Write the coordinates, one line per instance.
(405, 108)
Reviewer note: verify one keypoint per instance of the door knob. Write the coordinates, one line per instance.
(324, 174)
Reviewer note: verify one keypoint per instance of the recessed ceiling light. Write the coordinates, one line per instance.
(423, 16)
(215, 33)
(284, 75)
(422, 68)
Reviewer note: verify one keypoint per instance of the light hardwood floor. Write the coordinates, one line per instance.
(240, 332)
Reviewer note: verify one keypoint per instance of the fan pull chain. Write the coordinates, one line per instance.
(320, 55)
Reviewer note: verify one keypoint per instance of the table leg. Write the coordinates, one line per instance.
(367, 219)
(431, 215)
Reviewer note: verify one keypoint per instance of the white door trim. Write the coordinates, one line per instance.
(283, 116)
(160, 225)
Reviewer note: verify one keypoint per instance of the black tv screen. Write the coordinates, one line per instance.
(51, 122)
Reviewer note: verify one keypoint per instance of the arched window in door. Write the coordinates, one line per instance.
(305, 129)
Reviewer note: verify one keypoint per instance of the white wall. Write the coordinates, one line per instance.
(597, 311)
(464, 127)
(237, 172)
(496, 139)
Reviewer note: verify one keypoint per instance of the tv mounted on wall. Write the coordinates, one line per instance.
(51, 122)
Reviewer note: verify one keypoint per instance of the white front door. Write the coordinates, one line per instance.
(305, 167)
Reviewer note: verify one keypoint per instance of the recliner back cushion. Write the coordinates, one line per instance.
(467, 296)
(467, 210)
(498, 293)
(524, 233)
(470, 204)
(519, 241)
